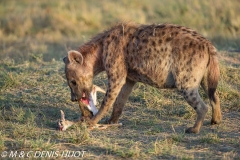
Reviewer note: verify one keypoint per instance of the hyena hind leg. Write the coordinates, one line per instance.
(215, 103)
(193, 98)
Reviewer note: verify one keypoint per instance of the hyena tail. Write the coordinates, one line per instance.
(213, 75)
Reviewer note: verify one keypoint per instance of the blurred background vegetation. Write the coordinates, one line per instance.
(32, 30)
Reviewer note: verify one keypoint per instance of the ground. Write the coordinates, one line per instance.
(32, 95)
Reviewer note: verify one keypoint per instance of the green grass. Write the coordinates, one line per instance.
(210, 138)
(154, 120)
(36, 35)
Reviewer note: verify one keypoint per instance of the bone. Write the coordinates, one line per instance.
(93, 99)
(92, 106)
(96, 89)
(63, 124)
(104, 126)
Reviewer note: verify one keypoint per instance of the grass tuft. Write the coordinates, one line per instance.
(210, 138)
(79, 135)
(8, 80)
(2, 140)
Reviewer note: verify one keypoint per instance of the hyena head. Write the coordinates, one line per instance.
(78, 75)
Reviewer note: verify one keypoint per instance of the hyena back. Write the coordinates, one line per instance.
(163, 56)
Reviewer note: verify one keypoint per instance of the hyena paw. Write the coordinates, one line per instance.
(216, 118)
(216, 121)
(192, 130)
(111, 121)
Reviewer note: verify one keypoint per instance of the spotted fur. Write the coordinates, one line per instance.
(161, 55)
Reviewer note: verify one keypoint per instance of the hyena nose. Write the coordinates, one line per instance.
(73, 98)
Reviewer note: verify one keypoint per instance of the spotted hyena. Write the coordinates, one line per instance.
(161, 55)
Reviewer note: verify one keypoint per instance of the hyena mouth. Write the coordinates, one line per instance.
(84, 98)
(88, 100)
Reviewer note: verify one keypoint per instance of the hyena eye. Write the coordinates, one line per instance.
(74, 82)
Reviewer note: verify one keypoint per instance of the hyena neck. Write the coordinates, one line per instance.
(92, 57)
(98, 66)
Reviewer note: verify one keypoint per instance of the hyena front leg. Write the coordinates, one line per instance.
(193, 98)
(120, 101)
(115, 84)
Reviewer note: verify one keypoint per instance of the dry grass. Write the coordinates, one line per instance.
(154, 120)
(34, 36)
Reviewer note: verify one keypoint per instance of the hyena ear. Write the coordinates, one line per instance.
(75, 57)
